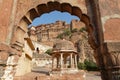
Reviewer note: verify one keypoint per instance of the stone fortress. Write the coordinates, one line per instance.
(47, 34)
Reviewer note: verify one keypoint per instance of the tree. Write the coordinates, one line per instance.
(83, 29)
(49, 51)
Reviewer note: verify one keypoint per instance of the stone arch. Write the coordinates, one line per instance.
(17, 15)
(40, 9)
(63, 7)
(50, 6)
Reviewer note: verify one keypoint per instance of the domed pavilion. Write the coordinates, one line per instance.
(64, 57)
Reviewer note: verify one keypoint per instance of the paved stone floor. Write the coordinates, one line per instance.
(93, 76)
(42, 74)
(38, 76)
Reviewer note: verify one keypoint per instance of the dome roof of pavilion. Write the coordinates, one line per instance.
(63, 45)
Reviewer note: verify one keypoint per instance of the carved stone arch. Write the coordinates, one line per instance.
(84, 18)
(53, 6)
(66, 7)
(40, 9)
(63, 7)
(76, 11)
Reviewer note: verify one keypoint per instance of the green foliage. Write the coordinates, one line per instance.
(60, 36)
(74, 30)
(49, 51)
(67, 32)
(88, 65)
(81, 66)
(82, 29)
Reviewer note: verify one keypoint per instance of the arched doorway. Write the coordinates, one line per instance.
(92, 23)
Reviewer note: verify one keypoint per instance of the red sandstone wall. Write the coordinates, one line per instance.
(109, 7)
(112, 30)
(110, 10)
(5, 13)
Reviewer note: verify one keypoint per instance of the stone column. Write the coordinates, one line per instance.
(57, 62)
(53, 63)
(65, 62)
(61, 60)
(71, 60)
(75, 61)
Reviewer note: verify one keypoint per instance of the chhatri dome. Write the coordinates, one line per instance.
(64, 45)
(64, 57)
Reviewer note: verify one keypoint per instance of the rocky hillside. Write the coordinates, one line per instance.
(74, 32)
(80, 39)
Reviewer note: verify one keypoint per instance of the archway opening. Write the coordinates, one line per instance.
(28, 18)
(63, 7)
(52, 17)
(49, 30)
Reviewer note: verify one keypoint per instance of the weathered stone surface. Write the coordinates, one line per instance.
(4, 53)
(112, 30)
(5, 12)
(40, 76)
(109, 7)
(4, 47)
(7, 49)
(112, 60)
(113, 46)
(3, 57)
(77, 24)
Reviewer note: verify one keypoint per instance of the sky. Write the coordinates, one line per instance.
(53, 17)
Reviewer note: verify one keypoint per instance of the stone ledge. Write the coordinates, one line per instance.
(113, 46)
